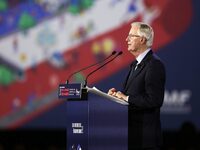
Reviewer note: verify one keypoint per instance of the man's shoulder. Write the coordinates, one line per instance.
(155, 60)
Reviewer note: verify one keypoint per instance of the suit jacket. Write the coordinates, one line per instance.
(145, 89)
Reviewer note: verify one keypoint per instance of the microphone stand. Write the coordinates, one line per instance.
(85, 84)
(114, 52)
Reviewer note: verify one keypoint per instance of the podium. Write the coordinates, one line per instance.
(78, 111)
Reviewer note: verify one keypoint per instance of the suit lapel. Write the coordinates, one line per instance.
(133, 64)
(138, 70)
(136, 73)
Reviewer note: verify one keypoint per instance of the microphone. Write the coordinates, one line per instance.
(119, 53)
(114, 52)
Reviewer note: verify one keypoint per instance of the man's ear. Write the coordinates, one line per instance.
(143, 40)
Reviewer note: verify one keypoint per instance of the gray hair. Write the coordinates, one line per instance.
(145, 30)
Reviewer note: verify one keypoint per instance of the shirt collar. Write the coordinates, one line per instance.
(142, 55)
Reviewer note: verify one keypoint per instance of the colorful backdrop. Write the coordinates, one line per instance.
(42, 42)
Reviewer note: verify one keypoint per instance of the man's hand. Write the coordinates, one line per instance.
(117, 94)
(112, 92)
(120, 95)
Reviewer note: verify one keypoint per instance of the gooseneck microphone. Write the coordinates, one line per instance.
(114, 52)
(119, 53)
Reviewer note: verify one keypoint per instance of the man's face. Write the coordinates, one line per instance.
(133, 41)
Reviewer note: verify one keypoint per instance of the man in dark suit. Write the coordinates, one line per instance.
(144, 90)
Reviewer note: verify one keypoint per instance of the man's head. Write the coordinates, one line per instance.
(140, 38)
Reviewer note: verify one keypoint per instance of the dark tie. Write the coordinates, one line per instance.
(133, 68)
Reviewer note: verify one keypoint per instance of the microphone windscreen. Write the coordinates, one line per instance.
(119, 53)
(114, 52)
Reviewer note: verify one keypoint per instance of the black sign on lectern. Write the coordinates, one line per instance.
(73, 91)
